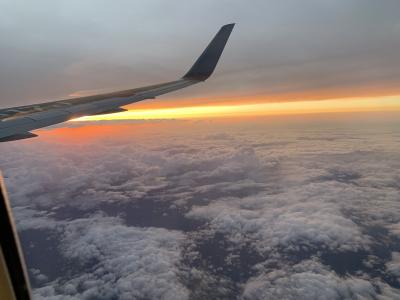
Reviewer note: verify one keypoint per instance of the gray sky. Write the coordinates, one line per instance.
(288, 48)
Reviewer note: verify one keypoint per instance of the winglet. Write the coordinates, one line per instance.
(207, 61)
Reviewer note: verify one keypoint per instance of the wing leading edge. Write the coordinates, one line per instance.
(17, 122)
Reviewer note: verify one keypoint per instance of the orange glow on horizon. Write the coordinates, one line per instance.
(249, 108)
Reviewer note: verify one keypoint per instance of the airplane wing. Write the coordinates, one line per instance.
(17, 122)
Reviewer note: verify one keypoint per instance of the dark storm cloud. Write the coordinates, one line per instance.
(278, 47)
(145, 217)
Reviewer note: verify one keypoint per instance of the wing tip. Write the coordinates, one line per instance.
(207, 61)
(228, 25)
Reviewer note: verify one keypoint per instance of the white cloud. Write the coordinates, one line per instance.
(126, 262)
(393, 266)
(301, 217)
(307, 280)
(280, 194)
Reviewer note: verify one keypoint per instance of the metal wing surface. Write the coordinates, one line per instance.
(17, 122)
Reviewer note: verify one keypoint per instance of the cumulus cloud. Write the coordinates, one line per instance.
(393, 266)
(214, 213)
(308, 280)
(301, 218)
(116, 261)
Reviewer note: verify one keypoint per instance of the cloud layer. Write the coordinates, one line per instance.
(219, 210)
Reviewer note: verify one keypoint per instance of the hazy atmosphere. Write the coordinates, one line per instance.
(280, 50)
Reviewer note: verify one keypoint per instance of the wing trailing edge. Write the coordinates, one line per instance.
(18, 136)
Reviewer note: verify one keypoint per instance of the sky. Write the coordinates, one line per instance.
(309, 56)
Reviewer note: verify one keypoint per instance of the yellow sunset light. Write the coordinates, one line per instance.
(387, 103)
